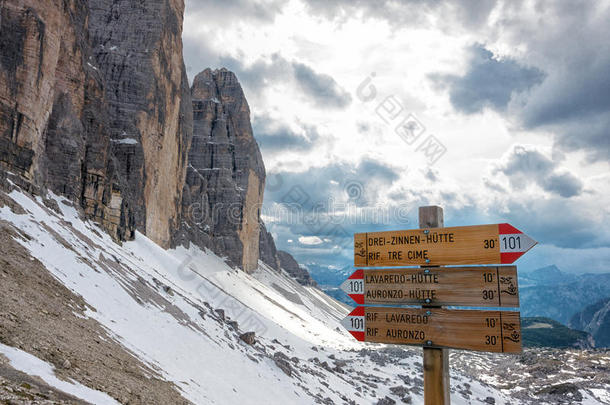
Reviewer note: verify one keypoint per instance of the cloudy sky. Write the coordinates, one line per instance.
(499, 111)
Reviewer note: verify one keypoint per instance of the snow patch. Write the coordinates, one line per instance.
(32, 365)
(125, 141)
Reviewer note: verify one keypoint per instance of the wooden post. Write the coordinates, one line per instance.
(436, 361)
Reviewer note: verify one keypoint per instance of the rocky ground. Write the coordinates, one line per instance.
(41, 316)
(20, 388)
(540, 375)
(537, 376)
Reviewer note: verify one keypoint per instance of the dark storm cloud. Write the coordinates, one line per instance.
(562, 223)
(276, 137)
(335, 181)
(332, 203)
(550, 221)
(376, 170)
(526, 165)
(590, 133)
(468, 13)
(227, 11)
(322, 88)
(563, 184)
(575, 102)
(569, 41)
(580, 118)
(261, 73)
(487, 82)
(585, 94)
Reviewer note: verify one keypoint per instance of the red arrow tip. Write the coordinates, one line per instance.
(358, 311)
(510, 257)
(507, 229)
(358, 335)
(359, 298)
(358, 274)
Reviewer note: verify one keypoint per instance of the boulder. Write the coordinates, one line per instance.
(283, 362)
(248, 337)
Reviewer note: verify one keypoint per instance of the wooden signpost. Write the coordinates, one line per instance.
(479, 244)
(490, 331)
(431, 286)
(466, 286)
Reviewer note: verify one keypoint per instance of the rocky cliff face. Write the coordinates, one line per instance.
(95, 105)
(137, 47)
(279, 259)
(53, 112)
(297, 272)
(595, 319)
(30, 47)
(267, 250)
(225, 178)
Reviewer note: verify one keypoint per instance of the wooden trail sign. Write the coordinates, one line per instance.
(494, 286)
(479, 244)
(489, 331)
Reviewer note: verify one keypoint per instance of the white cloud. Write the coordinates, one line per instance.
(372, 41)
(310, 240)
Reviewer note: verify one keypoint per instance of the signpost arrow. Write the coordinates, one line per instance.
(489, 286)
(479, 244)
(490, 331)
(433, 326)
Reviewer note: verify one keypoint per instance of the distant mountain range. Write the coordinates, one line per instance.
(554, 294)
(549, 275)
(595, 319)
(329, 278)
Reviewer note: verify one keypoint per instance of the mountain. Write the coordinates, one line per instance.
(545, 332)
(595, 319)
(290, 265)
(329, 278)
(95, 105)
(328, 274)
(549, 292)
(549, 275)
(86, 320)
(225, 176)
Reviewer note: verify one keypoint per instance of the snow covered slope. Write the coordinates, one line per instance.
(182, 312)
